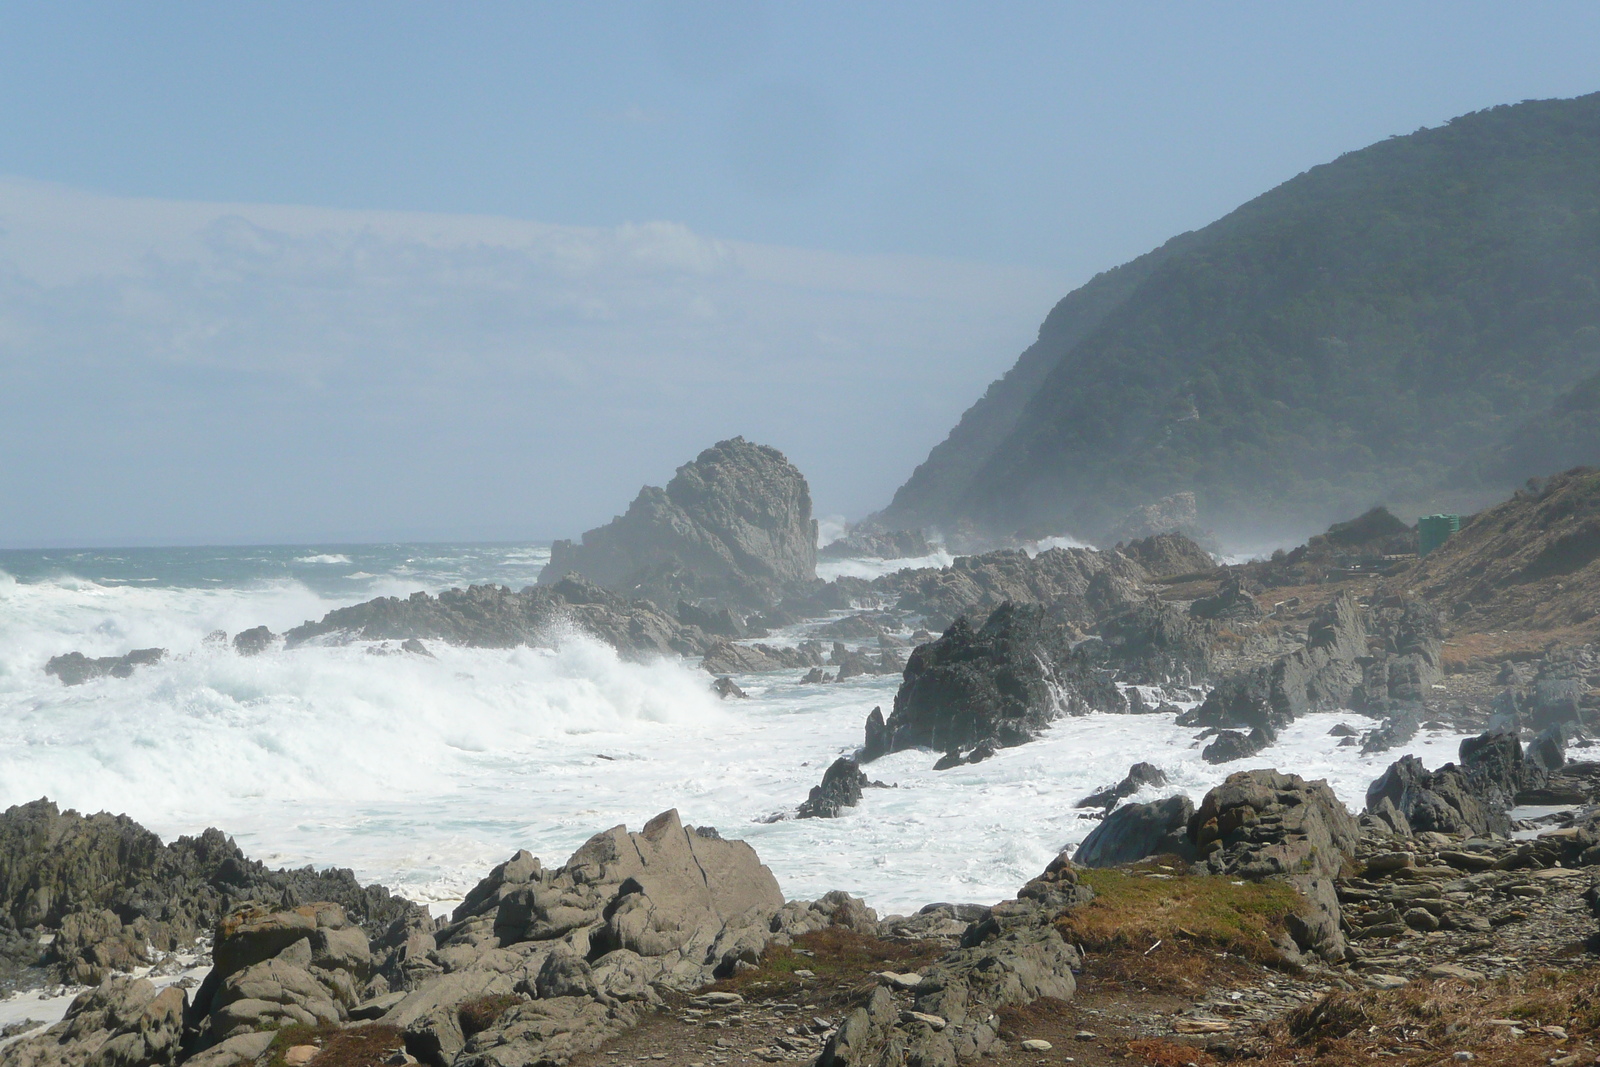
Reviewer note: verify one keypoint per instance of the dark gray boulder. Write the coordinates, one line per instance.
(1469, 797)
(840, 788)
(252, 642)
(1135, 831)
(1003, 684)
(1230, 745)
(1168, 555)
(734, 527)
(1138, 776)
(74, 668)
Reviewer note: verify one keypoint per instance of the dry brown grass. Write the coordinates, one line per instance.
(1475, 651)
(1425, 1023)
(479, 1015)
(1163, 1053)
(359, 1046)
(838, 957)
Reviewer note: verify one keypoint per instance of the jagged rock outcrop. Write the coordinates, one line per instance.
(1010, 955)
(1232, 602)
(725, 657)
(110, 889)
(1321, 676)
(973, 586)
(878, 544)
(305, 965)
(491, 616)
(840, 788)
(74, 668)
(1168, 555)
(1138, 776)
(125, 1022)
(1405, 657)
(1001, 685)
(1135, 831)
(1469, 797)
(734, 526)
(590, 943)
(1262, 824)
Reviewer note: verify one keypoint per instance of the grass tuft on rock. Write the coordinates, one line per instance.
(1140, 907)
(356, 1046)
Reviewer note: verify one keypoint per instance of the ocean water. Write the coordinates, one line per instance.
(423, 773)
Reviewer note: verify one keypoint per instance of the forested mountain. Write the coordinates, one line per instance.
(1415, 322)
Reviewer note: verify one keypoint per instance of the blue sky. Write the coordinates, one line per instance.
(911, 187)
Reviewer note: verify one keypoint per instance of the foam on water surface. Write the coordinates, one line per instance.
(421, 773)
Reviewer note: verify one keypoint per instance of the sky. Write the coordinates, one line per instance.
(353, 272)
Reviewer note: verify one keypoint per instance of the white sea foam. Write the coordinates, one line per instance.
(423, 772)
(326, 557)
(829, 568)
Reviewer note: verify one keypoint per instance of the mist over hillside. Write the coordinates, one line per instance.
(1417, 322)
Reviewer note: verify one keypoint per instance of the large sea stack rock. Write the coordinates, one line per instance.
(733, 527)
(999, 685)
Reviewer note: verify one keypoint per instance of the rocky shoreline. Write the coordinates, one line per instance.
(546, 965)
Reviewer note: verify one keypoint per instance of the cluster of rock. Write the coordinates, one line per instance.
(566, 957)
(1384, 660)
(487, 616)
(114, 896)
(878, 544)
(733, 527)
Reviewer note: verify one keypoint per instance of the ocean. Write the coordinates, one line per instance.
(422, 773)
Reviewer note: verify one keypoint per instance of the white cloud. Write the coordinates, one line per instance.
(176, 370)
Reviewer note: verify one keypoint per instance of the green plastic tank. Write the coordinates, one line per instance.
(1435, 530)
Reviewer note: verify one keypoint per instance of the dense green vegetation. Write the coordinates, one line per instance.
(1415, 318)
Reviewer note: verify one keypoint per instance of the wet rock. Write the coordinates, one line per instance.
(75, 668)
(840, 788)
(725, 687)
(1231, 745)
(1138, 776)
(725, 657)
(253, 642)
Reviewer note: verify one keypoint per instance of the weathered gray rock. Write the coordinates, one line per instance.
(1262, 824)
(108, 888)
(734, 526)
(124, 1022)
(1135, 831)
(725, 657)
(1166, 555)
(272, 968)
(877, 544)
(1319, 677)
